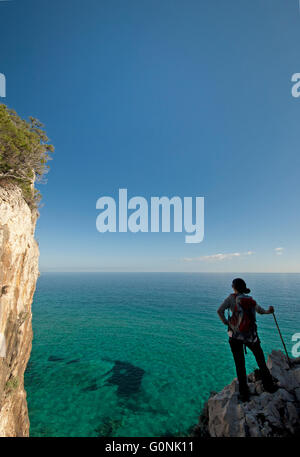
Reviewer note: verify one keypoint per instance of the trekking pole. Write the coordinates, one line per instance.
(288, 359)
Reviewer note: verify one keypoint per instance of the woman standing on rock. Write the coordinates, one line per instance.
(242, 331)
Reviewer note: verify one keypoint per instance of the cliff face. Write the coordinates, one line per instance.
(266, 414)
(19, 271)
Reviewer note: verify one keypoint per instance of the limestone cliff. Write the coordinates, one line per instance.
(19, 271)
(265, 415)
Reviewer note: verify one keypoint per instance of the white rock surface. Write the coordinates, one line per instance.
(19, 271)
(265, 414)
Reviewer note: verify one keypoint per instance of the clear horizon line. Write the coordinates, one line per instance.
(179, 272)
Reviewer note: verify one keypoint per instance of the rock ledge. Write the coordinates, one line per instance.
(265, 415)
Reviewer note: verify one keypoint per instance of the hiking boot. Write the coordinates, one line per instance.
(271, 389)
(244, 396)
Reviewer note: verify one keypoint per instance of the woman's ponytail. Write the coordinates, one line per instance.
(240, 285)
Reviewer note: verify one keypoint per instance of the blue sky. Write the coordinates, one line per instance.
(166, 98)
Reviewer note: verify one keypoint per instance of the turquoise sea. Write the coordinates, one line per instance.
(137, 354)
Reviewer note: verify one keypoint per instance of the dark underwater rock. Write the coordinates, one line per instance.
(54, 358)
(91, 387)
(72, 361)
(126, 377)
(108, 427)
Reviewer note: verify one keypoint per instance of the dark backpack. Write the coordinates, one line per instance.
(243, 319)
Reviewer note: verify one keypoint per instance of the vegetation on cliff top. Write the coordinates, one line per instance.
(24, 153)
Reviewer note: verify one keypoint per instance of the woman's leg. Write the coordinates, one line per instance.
(266, 377)
(237, 349)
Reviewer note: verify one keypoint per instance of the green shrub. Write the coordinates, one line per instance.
(24, 152)
(12, 384)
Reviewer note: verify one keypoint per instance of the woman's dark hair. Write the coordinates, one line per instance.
(240, 285)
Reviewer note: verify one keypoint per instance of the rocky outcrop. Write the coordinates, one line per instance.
(265, 415)
(18, 271)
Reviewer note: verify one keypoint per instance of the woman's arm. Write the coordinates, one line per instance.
(261, 310)
(221, 311)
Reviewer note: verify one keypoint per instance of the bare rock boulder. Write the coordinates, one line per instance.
(265, 415)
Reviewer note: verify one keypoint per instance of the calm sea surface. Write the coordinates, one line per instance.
(137, 354)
